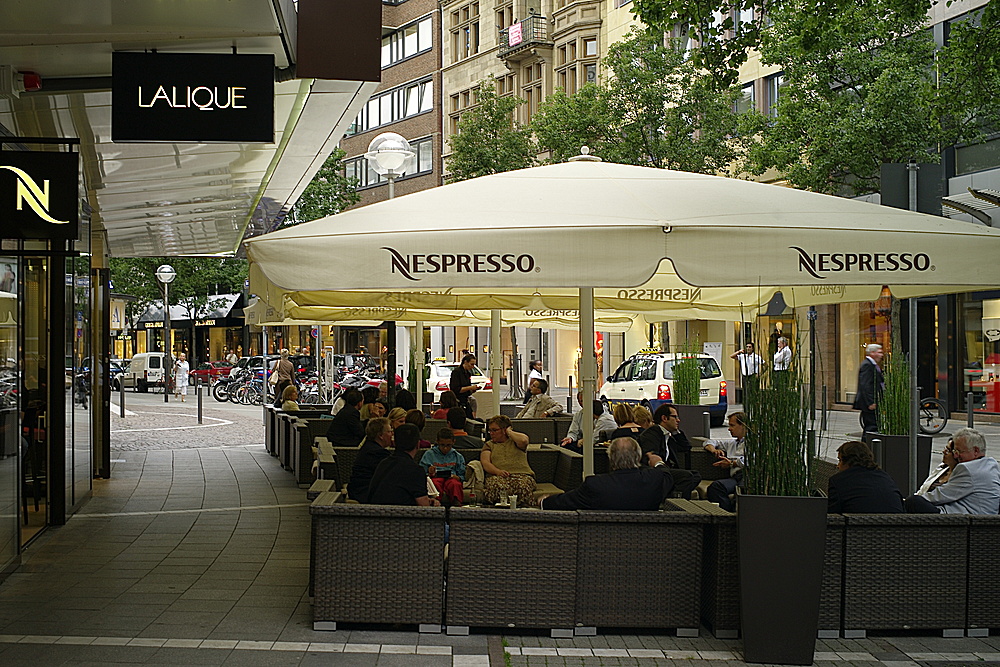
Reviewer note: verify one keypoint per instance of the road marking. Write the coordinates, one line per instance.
(222, 422)
(117, 410)
(105, 515)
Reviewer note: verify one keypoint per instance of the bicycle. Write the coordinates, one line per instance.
(933, 416)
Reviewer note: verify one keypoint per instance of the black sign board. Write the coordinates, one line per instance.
(199, 97)
(39, 198)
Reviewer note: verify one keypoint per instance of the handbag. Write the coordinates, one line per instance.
(273, 377)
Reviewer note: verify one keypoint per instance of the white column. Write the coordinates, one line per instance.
(495, 358)
(263, 403)
(417, 351)
(588, 371)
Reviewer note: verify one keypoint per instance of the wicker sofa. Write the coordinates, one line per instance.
(567, 573)
(563, 570)
(376, 564)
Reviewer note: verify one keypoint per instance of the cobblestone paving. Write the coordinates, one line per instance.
(152, 424)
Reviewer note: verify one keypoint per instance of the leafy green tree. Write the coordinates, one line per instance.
(656, 109)
(725, 42)
(863, 83)
(855, 95)
(564, 123)
(329, 192)
(969, 66)
(669, 114)
(489, 139)
(199, 280)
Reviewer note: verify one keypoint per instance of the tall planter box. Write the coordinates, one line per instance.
(896, 458)
(781, 541)
(693, 421)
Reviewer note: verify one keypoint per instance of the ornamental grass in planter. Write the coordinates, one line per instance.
(686, 394)
(781, 528)
(893, 415)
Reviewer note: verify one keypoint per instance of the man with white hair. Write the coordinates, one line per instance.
(629, 485)
(871, 382)
(973, 486)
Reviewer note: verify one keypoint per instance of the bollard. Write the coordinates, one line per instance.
(198, 391)
(569, 403)
(822, 418)
(706, 423)
(121, 396)
(811, 439)
(969, 405)
(877, 451)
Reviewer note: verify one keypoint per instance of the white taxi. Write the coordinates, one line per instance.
(647, 379)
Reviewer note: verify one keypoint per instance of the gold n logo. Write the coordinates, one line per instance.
(37, 197)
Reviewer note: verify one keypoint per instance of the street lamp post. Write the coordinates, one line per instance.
(166, 274)
(390, 155)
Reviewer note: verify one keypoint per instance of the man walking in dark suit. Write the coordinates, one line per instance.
(666, 440)
(870, 386)
(629, 485)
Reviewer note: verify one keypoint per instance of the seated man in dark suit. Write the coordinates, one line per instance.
(629, 485)
(378, 437)
(456, 420)
(666, 440)
(345, 428)
(399, 479)
(861, 487)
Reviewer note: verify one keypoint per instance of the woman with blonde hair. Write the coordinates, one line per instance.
(397, 417)
(624, 415)
(642, 416)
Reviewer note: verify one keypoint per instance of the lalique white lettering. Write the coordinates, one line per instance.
(203, 98)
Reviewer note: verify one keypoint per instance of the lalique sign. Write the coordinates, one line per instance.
(197, 97)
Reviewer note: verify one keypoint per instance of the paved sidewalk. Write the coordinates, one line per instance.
(196, 551)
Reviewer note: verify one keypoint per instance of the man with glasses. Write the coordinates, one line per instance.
(973, 486)
(666, 440)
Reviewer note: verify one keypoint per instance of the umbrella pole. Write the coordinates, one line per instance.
(588, 371)
(417, 347)
(495, 359)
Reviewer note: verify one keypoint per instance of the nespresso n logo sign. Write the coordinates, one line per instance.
(412, 266)
(35, 195)
(201, 97)
(38, 195)
(164, 97)
(818, 264)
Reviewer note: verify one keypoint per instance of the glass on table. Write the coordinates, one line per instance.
(504, 500)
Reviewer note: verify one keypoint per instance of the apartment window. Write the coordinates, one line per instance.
(394, 105)
(741, 18)
(774, 85)
(589, 47)
(465, 32)
(407, 42)
(745, 102)
(591, 73)
(621, 3)
(504, 15)
(367, 177)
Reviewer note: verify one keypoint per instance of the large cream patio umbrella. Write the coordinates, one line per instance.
(545, 228)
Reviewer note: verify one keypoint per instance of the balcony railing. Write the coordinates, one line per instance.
(532, 31)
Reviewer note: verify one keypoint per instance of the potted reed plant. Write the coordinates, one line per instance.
(781, 528)
(686, 389)
(893, 415)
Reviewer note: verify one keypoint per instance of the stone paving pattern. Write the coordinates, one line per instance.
(196, 552)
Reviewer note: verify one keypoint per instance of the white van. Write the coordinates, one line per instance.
(145, 371)
(647, 379)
